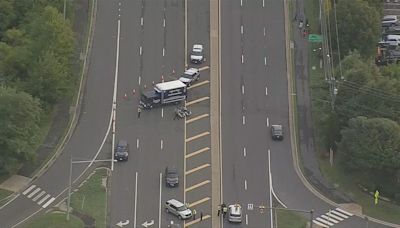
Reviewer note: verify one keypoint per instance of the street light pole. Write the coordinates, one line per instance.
(311, 217)
(65, 8)
(69, 188)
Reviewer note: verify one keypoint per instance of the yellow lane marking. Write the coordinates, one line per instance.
(199, 202)
(197, 168)
(198, 84)
(196, 118)
(197, 152)
(197, 220)
(204, 68)
(197, 136)
(197, 101)
(197, 185)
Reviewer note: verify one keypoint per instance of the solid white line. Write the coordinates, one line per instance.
(242, 89)
(267, 122)
(247, 219)
(244, 152)
(277, 198)
(136, 184)
(140, 50)
(241, 29)
(140, 79)
(159, 205)
(245, 184)
(243, 120)
(242, 58)
(162, 112)
(162, 144)
(163, 52)
(43, 199)
(48, 202)
(266, 90)
(241, 2)
(270, 188)
(137, 143)
(29, 189)
(263, 3)
(265, 61)
(34, 192)
(164, 23)
(38, 196)
(141, 21)
(264, 31)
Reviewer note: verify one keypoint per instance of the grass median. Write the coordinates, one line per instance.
(290, 219)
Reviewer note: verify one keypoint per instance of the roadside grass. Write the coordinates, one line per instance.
(4, 194)
(290, 219)
(91, 198)
(55, 220)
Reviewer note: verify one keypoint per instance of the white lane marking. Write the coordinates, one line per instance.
(38, 196)
(34, 192)
(330, 214)
(339, 214)
(247, 219)
(267, 122)
(263, 3)
(241, 2)
(325, 222)
(244, 152)
(162, 144)
(320, 224)
(245, 184)
(119, 3)
(163, 52)
(344, 212)
(164, 23)
(244, 120)
(241, 29)
(137, 143)
(140, 78)
(159, 205)
(242, 89)
(329, 219)
(43, 199)
(141, 21)
(29, 189)
(140, 50)
(134, 214)
(264, 31)
(162, 112)
(266, 90)
(270, 187)
(48, 202)
(265, 61)
(242, 58)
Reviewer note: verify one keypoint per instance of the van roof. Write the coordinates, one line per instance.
(170, 85)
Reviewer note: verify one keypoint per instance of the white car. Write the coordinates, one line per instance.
(197, 54)
(389, 20)
(235, 213)
(190, 75)
(177, 208)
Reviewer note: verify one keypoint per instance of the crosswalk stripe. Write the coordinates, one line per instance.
(34, 192)
(329, 214)
(329, 219)
(340, 214)
(28, 189)
(325, 222)
(48, 202)
(344, 212)
(43, 199)
(38, 196)
(320, 224)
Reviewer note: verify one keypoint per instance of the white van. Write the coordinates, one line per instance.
(393, 40)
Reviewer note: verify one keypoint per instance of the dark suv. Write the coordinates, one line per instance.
(277, 132)
(171, 177)
(121, 152)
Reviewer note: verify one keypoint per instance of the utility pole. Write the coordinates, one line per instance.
(65, 8)
(69, 188)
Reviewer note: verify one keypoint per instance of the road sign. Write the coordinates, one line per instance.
(315, 38)
(122, 224)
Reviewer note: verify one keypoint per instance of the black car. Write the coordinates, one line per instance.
(277, 132)
(121, 152)
(171, 177)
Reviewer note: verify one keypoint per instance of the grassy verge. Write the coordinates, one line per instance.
(91, 199)
(4, 194)
(290, 219)
(55, 220)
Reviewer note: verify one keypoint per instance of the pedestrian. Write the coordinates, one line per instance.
(219, 210)
(139, 110)
(224, 209)
(201, 216)
(194, 214)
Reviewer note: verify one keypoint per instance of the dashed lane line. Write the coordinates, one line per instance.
(191, 205)
(197, 118)
(197, 136)
(197, 152)
(197, 101)
(198, 84)
(197, 220)
(197, 185)
(198, 168)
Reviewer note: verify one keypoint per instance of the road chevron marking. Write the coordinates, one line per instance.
(197, 220)
(197, 101)
(199, 202)
(198, 84)
(197, 152)
(197, 168)
(197, 185)
(197, 136)
(197, 118)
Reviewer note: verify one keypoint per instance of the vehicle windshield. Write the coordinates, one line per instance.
(182, 208)
(187, 76)
(197, 51)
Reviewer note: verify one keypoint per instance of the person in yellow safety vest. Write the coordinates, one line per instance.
(224, 209)
(194, 214)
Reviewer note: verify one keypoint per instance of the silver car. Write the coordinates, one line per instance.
(235, 213)
(177, 208)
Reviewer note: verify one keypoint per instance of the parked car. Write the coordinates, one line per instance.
(277, 132)
(177, 208)
(121, 151)
(171, 177)
(190, 75)
(196, 55)
(389, 20)
(235, 213)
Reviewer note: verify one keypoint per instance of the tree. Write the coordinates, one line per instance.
(7, 15)
(20, 116)
(371, 144)
(359, 27)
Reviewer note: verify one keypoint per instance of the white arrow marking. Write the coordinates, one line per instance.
(147, 224)
(121, 224)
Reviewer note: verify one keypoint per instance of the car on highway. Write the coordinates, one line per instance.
(277, 132)
(190, 75)
(235, 213)
(177, 208)
(121, 151)
(171, 176)
(196, 55)
(389, 20)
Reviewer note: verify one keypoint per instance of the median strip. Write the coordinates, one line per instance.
(197, 101)
(197, 185)
(197, 152)
(197, 168)
(197, 118)
(197, 136)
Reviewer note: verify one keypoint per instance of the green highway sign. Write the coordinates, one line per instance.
(315, 38)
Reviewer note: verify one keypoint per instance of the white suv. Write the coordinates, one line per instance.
(197, 54)
(235, 213)
(177, 208)
(389, 20)
(190, 75)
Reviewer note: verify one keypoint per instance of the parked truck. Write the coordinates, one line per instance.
(164, 93)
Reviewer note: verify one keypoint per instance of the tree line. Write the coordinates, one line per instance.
(36, 71)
